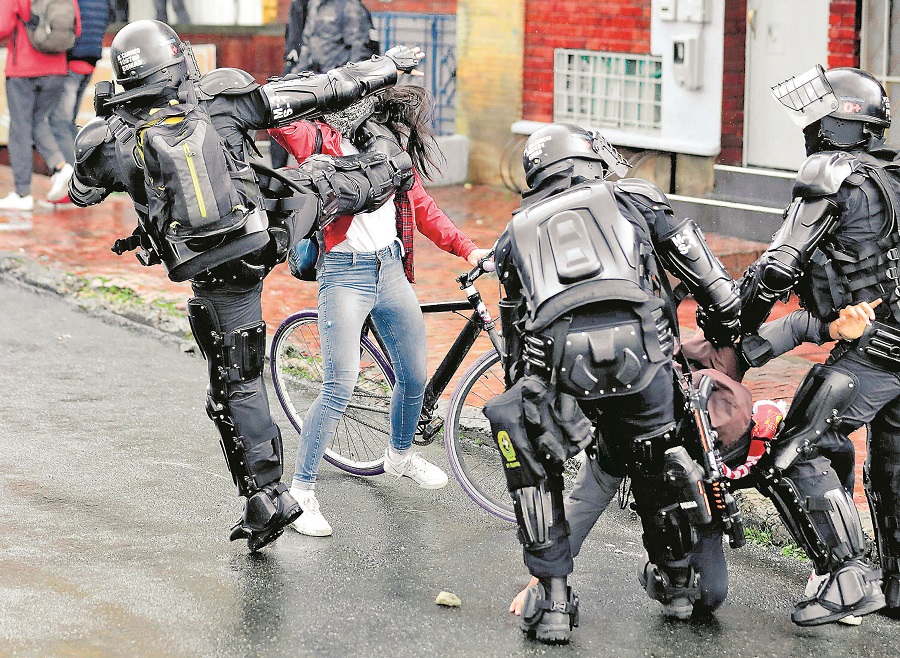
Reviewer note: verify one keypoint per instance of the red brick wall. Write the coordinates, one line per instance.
(613, 25)
(843, 33)
(733, 83)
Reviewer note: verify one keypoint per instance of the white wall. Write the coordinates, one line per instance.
(691, 119)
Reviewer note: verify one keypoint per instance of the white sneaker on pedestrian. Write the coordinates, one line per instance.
(13, 201)
(59, 183)
(812, 586)
(311, 522)
(415, 467)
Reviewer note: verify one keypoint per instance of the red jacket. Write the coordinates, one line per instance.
(22, 60)
(299, 139)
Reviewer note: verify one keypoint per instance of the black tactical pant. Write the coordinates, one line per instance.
(625, 419)
(239, 305)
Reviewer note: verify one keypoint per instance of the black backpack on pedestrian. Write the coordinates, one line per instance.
(51, 26)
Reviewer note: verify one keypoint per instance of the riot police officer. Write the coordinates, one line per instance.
(839, 245)
(587, 315)
(226, 261)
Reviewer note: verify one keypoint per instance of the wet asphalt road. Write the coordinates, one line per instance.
(115, 503)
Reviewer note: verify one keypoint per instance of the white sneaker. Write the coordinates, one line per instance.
(13, 201)
(415, 467)
(812, 586)
(311, 522)
(59, 183)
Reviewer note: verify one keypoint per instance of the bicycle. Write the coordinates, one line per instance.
(358, 444)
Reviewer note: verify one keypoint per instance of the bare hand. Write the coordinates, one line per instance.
(480, 254)
(516, 606)
(853, 321)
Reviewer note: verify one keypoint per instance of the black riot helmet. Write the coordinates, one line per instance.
(840, 109)
(566, 149)
(149, 53)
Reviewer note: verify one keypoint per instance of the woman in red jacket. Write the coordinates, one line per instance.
(367, 270)
(34, 85)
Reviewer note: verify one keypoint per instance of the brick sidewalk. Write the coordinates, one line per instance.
(77, 240)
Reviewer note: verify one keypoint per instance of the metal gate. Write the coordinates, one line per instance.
(435, 34)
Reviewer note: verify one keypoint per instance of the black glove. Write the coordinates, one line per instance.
(719, 329)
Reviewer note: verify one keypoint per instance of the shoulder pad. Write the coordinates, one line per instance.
(643, 188)
(822, 174)
(94, 133)
(226, 82)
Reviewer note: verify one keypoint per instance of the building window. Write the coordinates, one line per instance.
(607, 90)
(880, 49)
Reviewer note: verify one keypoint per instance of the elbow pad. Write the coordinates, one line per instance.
(85, 195)
(305, 96)
(350, 184)
(685, 253)
(806, 222)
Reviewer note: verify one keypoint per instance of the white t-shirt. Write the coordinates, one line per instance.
(369, 231)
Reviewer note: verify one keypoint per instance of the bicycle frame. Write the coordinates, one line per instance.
(480, 320)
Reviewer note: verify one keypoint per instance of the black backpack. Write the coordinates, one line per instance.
(51, 26)
(195, 188)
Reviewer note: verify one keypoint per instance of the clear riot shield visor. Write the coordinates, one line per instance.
(807, 97)
(611, 157)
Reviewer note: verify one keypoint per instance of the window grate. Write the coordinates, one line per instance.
(607, 90)
(436, 34)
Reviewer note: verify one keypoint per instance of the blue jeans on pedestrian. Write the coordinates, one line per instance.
(351, 288)
(62, 117)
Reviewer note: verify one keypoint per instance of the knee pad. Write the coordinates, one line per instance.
(819, 513)
(823, 395)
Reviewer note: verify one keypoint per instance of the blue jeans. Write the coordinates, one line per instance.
(352, 287)
(62, 117)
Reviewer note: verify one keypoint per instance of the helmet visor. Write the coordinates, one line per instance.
(806, 97)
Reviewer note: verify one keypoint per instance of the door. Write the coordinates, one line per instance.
(783, 40)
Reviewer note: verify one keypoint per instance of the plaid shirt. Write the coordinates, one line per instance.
(415, 209)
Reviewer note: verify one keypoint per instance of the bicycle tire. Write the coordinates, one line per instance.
(473, 457)
(297, 375)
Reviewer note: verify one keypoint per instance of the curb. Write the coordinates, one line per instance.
(117, 305)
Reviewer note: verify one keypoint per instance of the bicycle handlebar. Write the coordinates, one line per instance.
(484, 266)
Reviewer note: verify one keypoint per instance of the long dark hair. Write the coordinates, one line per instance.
(406, 110)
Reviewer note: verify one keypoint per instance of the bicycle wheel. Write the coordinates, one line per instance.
(470, 447)
(297, 374)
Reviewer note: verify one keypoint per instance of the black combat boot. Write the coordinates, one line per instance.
(266, 514)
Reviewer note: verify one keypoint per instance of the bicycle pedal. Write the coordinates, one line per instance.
(430, 430)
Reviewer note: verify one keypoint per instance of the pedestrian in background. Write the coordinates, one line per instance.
(292, 34)
(181, 15)
(34, 84)
(82, 58)
(336, 32)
